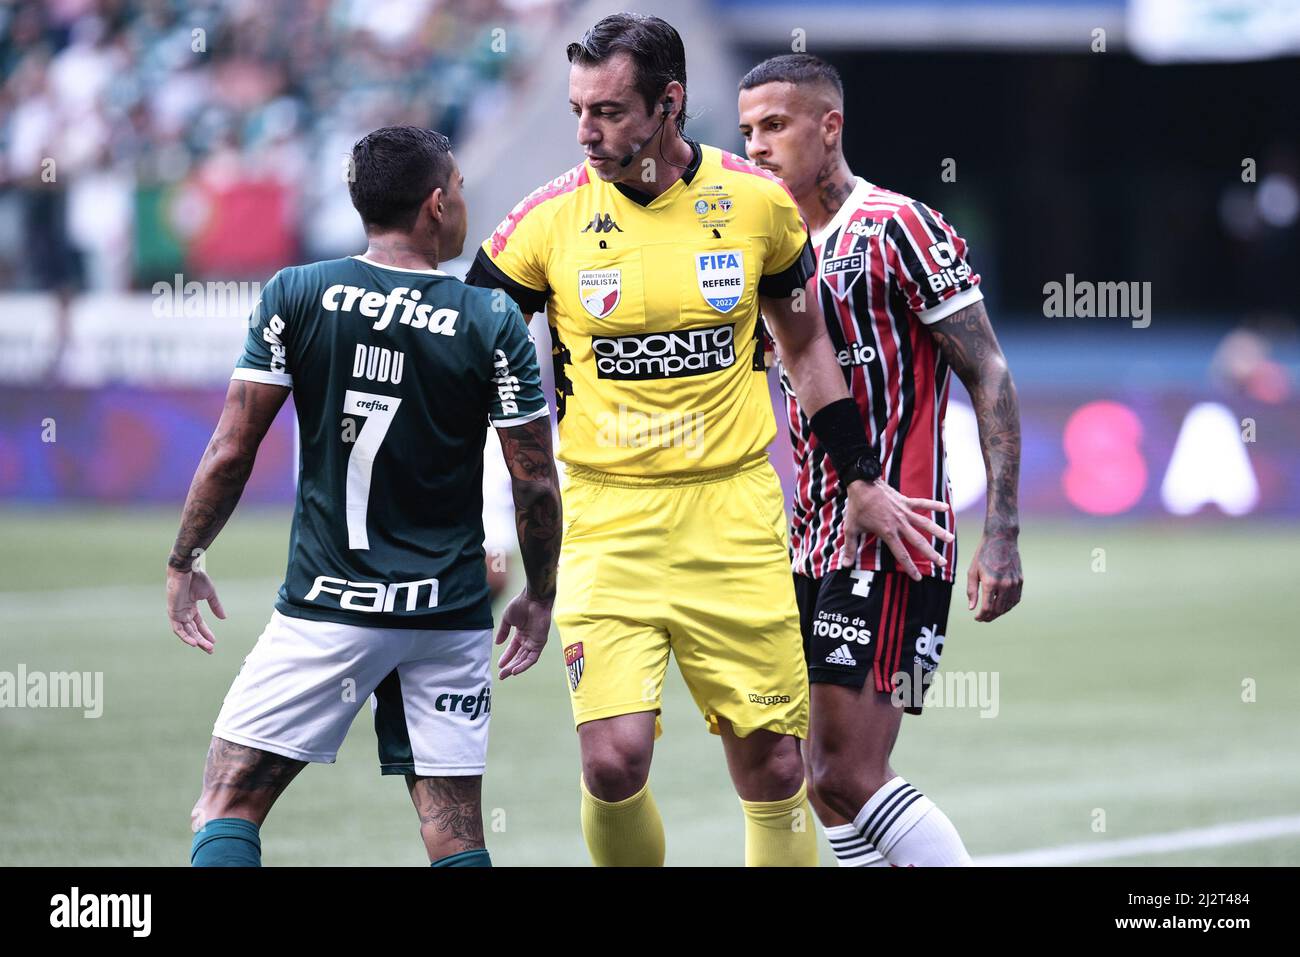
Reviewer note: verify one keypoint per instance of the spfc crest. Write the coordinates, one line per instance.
(840, 273)
(721, 275)
(573, 663)
(600, 290)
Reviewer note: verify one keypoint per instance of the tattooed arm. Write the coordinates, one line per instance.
(218, 483)
(877, 508)
(527, 451)
(967, 342)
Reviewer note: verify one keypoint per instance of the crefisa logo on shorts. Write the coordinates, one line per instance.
(468, 704)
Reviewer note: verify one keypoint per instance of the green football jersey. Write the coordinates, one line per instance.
(396, 375)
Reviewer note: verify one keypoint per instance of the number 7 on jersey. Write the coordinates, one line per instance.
(378, 411)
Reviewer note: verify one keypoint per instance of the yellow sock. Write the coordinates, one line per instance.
(780, 833)
(627, 833)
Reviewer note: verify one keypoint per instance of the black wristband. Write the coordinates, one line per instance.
(840, 431)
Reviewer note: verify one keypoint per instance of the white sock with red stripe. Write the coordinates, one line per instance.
(905, 826)
(851, 848)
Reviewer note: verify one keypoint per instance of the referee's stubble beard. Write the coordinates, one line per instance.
(613, 121)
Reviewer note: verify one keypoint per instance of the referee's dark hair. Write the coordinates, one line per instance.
(654, 46)
(393, 171)
(801, 69)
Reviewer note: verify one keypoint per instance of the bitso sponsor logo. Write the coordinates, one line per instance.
(665, 355)
(952, 272)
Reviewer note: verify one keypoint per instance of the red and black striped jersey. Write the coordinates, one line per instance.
(887, 266)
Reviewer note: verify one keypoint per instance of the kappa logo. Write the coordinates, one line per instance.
(600, 290)
(721, 276)
(841, 656)
(573, 663)
(602, 223)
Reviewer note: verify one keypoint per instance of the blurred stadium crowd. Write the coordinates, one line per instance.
(138, 140)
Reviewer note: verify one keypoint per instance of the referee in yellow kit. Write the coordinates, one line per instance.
(652, 259)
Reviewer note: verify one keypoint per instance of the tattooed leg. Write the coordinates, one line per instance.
(241, 782)
(451, 818)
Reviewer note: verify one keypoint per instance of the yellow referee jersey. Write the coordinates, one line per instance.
(653, 308)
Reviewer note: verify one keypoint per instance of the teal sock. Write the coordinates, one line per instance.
(227, 842)
(476, 858)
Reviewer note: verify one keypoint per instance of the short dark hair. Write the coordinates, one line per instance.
(394, 170)
(801, 69)
(654, 46)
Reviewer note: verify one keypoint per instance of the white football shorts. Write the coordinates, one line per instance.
(304, 682)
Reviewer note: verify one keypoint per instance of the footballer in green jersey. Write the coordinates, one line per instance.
(398, 369)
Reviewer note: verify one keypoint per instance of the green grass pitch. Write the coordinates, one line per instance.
(1120, 696)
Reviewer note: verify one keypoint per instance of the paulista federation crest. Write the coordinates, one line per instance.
(600, 290)
(573, 663)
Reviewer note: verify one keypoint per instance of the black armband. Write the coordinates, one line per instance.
(784, 284)
(840, 431)
(483, 272)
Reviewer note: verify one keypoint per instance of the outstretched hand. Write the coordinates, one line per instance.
(880, 509)
(531, 620)
(184, 592)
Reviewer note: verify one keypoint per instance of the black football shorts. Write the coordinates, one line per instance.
(882, 626)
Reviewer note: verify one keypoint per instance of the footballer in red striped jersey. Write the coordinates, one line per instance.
(903, 308)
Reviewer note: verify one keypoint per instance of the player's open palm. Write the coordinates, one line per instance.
(531, 620)
(995, 567)
(184, 592)
(881, 510)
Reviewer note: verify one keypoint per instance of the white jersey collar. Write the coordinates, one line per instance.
(422, 272)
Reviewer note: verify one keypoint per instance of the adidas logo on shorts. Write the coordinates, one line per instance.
(841, 656)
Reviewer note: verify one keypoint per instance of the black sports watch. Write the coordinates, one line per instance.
(865, 467)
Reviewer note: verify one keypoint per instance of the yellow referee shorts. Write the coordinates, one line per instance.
(694, 564)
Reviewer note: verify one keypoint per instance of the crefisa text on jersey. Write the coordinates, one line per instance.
(382, 308)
